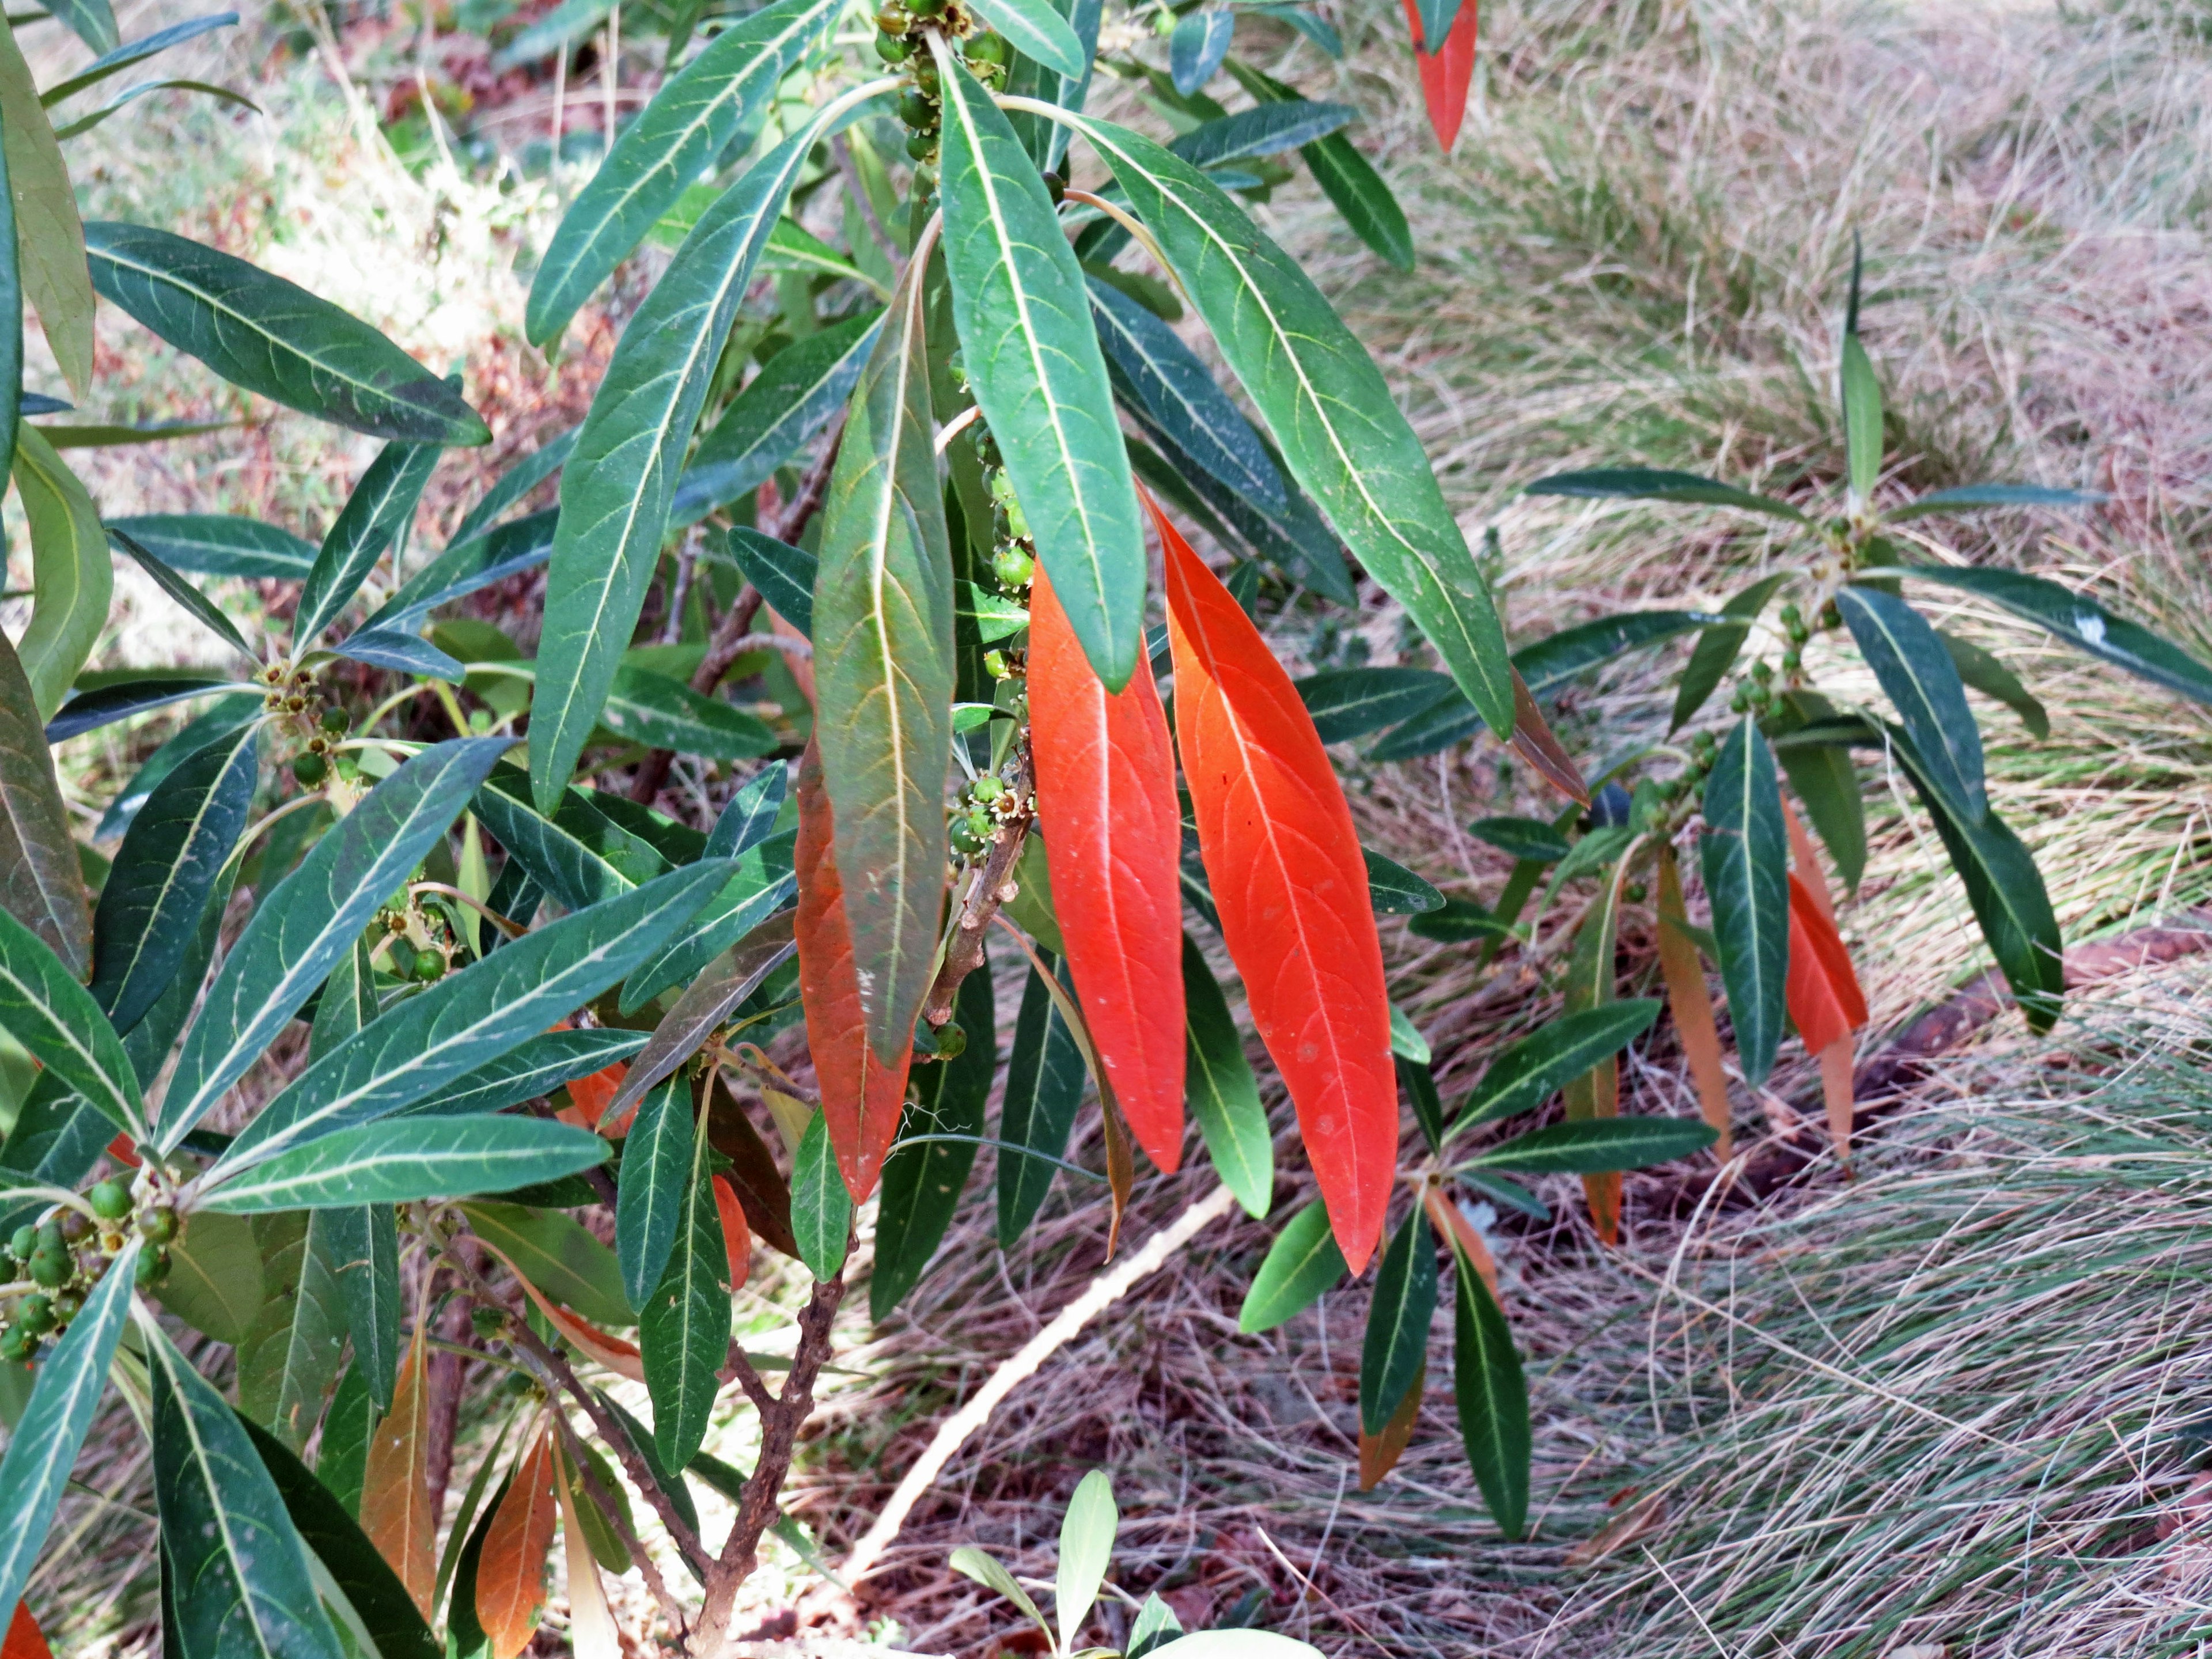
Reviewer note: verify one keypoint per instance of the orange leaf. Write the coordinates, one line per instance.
(121, 1151)
(590, 1096)
(511, 1572)
(1807, 861)
(1379, 1453)
(1822, 992)
(1450, 1223)
(25, 1639)
(617, 1356)
(1836, 1089)
(737, 1237)
(1693, 1004)
(1112, 834)
(861, 1097)
(395, 1495)
(1445, 75)
(1291, 886)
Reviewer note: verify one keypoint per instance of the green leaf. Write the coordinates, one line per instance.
(534, 1068)
(1529, 1071)
(217, 544)
(1862, 400)
(274, 338)
(1418, 1084)
(72, 578)
(1045, 1086)
(972, 1563)
(329, 1531)
(1824, 783)
(1342, 433)
(158, 887)
(11, 318)
(1716, 648)
(1086, 1550)
(1345, 176)
(641, 1438)
(796, 392)
(243, 1582)
(1552, 661)
(517, 481)
(2082, 622)
(882, 669)
(380, 511)
(1981, 671)
(402, 653)
(673, 141)
(217, 1284)
(1396, 1345)
(1979, 498)
(1224, 1096)
(1351, 702)
(1195, 49)
(1263, 130)
(1645, 483)
(1019, 304)
(821, 1208)
(763, 884)
(1597, 1147)
(359, 1245)
(557, 30)
(1529, 839)
(1492, 1397)
(1918, 676)
(297, 935)
(409, 1159)
(1406, 1041)
(114, 59)
(707, 1002)
(656, 1171)
(50, 238)
(784, 574)
(92, 22)
(46, 1010)
(292, 1353)
(204, 609)
(683, 1327)
(43, 1446)
(558, 1256)
(1302, 1264)
(1394, 890)
(579, 855)
(1744, 852)
(41, 883)
(1036, 31)
(341, 1463)
(464, 569)
(996, 616)
(616, 489)
(922, 1184)
(88, 711)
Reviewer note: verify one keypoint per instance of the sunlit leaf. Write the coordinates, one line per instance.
(1302, 1264)
(72, 576)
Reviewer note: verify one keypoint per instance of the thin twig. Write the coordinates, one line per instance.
(993, 887)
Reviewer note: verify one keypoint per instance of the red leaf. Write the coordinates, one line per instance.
(395, 1499)
(590, 1094)
(736, 1237)
(1291, 886)
(861, 1097)
(1112, 834)
(25, 1639)
(1822, 992)
(121, 1151)
(511, 1572)
(1445, 75)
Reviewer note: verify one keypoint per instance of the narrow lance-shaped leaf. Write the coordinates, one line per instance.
(220, 544)
(11, 321)
(1597, 1147)
(1744, 852)
(395, 1501)
(274, 337)
(1397, 1340)
(690, 121)
(616, 489)
(41, 883)
(1492, 1394)
(312, 918)
(203, 609)
(923, 1183)
(1922, 684)
(1224, 1096)
(1032, 357)
(243, 1584)
(360, 1243)
(1086, 1549)
(49, 236)
(1037, 30)
(1529, 1071)
(1446, 70)
(821, 1208)
(683, 1327)
(72, 577)
(92, 22)
(1341, 432)
(1196, 48)
(510, 1575)
(1691, 1004)
(656, 1170)
(46, 1010)
(1716, 648)
(1044, 1088)
(1345, 176)
(1301, 1265)
(376, 513)
(409, 1160)
(705, 1003)
(2082, 622)
(883, 671)
(1592, 983)
(42, 1447)
(1112, 835)
(1284, 862)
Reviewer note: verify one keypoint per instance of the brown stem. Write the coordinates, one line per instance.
(780, 1421)
(618, 1513)
(445, 1376)
(993, 887)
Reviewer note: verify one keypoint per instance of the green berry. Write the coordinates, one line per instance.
(1057, 186)
(965, 841)
(487, 1322)
(36, 1314)
(994, 664)
(920, 146)
(893, 20)
(926, 8)
(986, 49)
(1013, 565)
(67, 1305)
(336, 721)
(893, 48)
(988, 787)
(157, 1226)
(311, 769)
(15, 1344)
(153, 1268)
(24, 1240)
(50, 1236)
(916, 111)
(52, 1269)
(951, 1042)
(110, 1199)
(1633, 892)
(430, 967)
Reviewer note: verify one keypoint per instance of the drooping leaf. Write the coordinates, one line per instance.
(396, 1512)
(158, 887)
(1595, 1147)
(683, 1327)
(1284, 864)
(1112, 829)
(217, 544)
(1345, 177)
(242, 1584)
(1529, 1071)
(510, 1575)
(1744, 853)
(1224, 1096)
(1379, 1453)
(1301, 1265)
(1397, 1340)
(796, 392)
(49, 236)
(409, 1159)
(556, 1254)
(360, 1244)
(1980, 670)
(342, 1462)
(104, 705)
(1351, 702)
(861, 1097)
(821, 1208)
(203, 609)
(43, 1445)
(1691, 1004)
(690, 122)
(532, 1069)
(72, 577)
(314, 916)
(656, 1171)
(216, 1283)
(784, 574)
(1715, 653)
(1825, 783)
(41, 883)
(705, 1003)
(46, 1010)
(1086, 1549)
(1195, 49)
(274, 338)
(1445, 71)
(1492, 1394)
(616, 489)
(763, 884)
(1922, 684)
(923, 1183)
(92, 22)
(1342, 434)
(1644, 483)
(1044, 1087)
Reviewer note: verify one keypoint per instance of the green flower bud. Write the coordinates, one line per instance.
(67, 1305)
(110, 1200)
(951, 1042)
(994, 664)
(1633, 892)
(986, 49)
(487, 1322)
(988, 787)
(311, 769)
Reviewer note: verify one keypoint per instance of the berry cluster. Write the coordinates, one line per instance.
(901, 29)
(421, 944)
(987, 805)
(292, 691)
(52, 1265)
